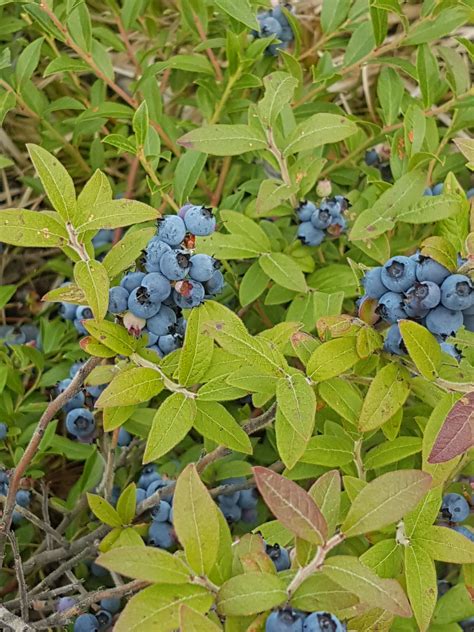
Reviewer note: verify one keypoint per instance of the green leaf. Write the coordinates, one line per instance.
(27, 62)
(253, 380)
(193, 621)
(91, 276)
(329, 451)
(126, 504)
(195, 520)
(326, 493)
(104, 510)
(284, 271)
(189, 63)
(253, 284)
(441, 250)
(361, 43)
(33, 229)
(146, 563)
(422, 347)
(214, 422)
(171, 423)
(157, 607)
(279, 90)
(446, 545)
(97, 189)
(332, 358)
(250, 593)
(64, 63)
(444, 23)
(122, 143)
(245, 227)
(343, 397)
(390, 91)
(385, 558)
(291, 505)
(333, 14)
(240, 11)
(116, 213)
(392, 452)
(420, 573)
(348, 572)
(124, 253)
(319, 593)
(389, 206)
(57, 183)
(428, 74)
(140, 123)
(115, 416)
(196, 353)
(113, 336)
(272, 193)
(387, 393)
(319, 129)
(431, 208)
(424, 514)
(222, 569)
(186, 174)
(224, 140)
(6, 292)
(218, 389)
(385, 500)
(379, 19)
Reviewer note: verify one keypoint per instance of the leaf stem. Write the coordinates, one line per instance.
(169, 384)
(154, 178)
(282, 164)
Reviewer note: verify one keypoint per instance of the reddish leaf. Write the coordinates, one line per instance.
(457, 433)
(292, 505)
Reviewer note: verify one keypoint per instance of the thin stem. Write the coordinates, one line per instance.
(154, 178)
(209, 51)
(225, 96)
(13, 622)
(19, 575)
(282, 164)
(169, 384)
(75, 244)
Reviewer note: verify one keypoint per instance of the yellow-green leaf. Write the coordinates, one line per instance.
(91, 276)
(171, 423)
(422, 347)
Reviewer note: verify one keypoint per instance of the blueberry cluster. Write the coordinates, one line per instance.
(289, 620)
(97, 622)
(22, 498)
(456, 509)
(325, 220)
(160, 532)
(437, 189)
(421, 289)
(240, 505)
(274, 22)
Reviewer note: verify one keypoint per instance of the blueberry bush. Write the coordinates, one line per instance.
(237, 315)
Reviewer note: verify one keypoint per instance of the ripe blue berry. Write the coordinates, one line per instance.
(67, 311)
(284, 621)
(437, 189)
(80, 422)
(86, 623)
(450, 350)
(132, 280)
(161, 512)
(188, 294)
(279, 556)
(428, 269)
(84, 313)
(398, 273)
(457, 292)
(76, 402)
(157, 287)
(371, 158)
(269, 26)
(155, 249)
(118, 299)
(248, 498)
(394, 341)
(4, 481)
(455, 508)
(140, 304)
(156, 349)
(423, 295)
(215, 284)
(202, 267)
(171, 230)
(181, 326)
(75, 368)
(64, 603)
(174, 265)
(390, 307)
(232, 514)
(249, 516)
(104, 617)
(148, 476)
(23, 498)
(98, 571)
(161, 535)
(169, 343)
(469, 322)
(124, 438)
(465, 532)
(322, 622)
(372, 282)
(155, 486)
(305, 210)
(321, 218)
(200, 221)
(3, 431)
(112, 604)
(428, 191)
(140, 495)
(161, 323)
(309, 235)
(443, 321)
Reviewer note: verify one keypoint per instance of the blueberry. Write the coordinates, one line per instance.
(3, 431)
(457, 292)
(372, 282)
(309, 235)
(394, 341)
(465, 532)
(95, 391)
(321, 218)
(202, 267)
(200, 221)
(103, 237)
(169, 343)
(171, 230)
(23, 498)
(146, 479)
(390, 307)
(455, 508)
(98, 571)
(398, 274)
(86, 623)
(84, 313)
(140, 304)
(118, 299)
(428, 191)
(430, 270)
(469, 322)
(249, 516)
(234, 497)
(450, 350)
(174, 265)
(371, 158)
(181, 326)
(112, 604)
(155, 249)
(444, 322)
(75, 368)
(157, 287)
(140, 495)
(423, 295)
(156, 349)
(437, 188)
(188, 294)
(104, 617)
(155, 486)
(248, 498)
(124, 438)
(67, 311)
(470, 193)
(4, 481)
(65, 603)
(305, 210)
(161, 512)
(17, 518)
(338, 225)
(335, 205)
(322, 622)
(76, 402)
(161, 323)
(160, 534)
(215, 284)
(151, 339)
(232, 514)
(279, 556)
(132, 280)
(80, 422)
(284, 621)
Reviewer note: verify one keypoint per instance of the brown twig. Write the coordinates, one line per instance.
(13, 622)
(209, 51)
(61, 569)
(20, 576)
(216, 196)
